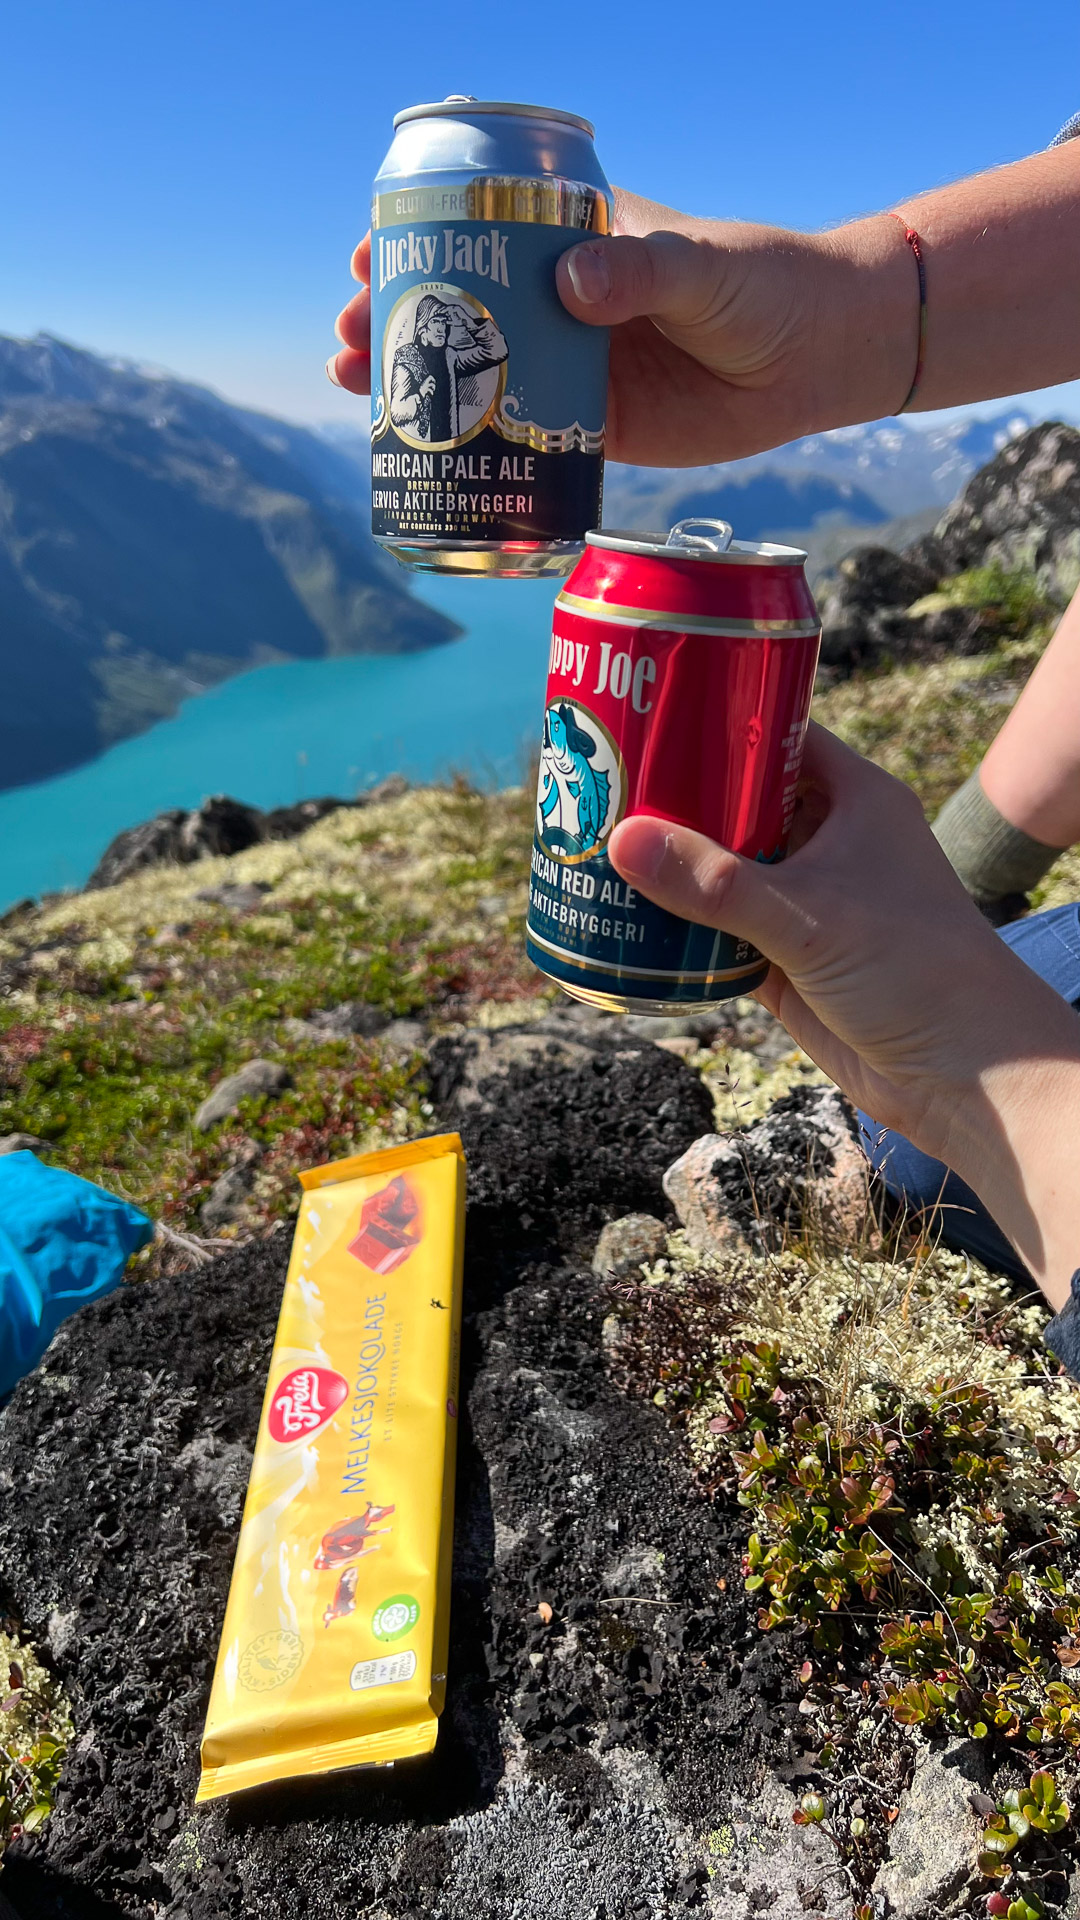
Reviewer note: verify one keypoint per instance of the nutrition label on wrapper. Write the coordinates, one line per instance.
(387, 1672)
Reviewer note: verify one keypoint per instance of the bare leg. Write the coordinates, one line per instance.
(1031, 773)
(1007, 824)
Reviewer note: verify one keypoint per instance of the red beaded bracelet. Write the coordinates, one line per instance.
(915, 244)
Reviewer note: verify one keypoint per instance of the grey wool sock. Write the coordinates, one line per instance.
(992, 858)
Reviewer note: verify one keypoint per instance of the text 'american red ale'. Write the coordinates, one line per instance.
(679, 686)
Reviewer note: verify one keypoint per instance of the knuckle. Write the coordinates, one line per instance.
(677, 264)
(641, 270)
(717, 879)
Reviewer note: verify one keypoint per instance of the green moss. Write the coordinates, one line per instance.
(931, 725)
(1012, 595)
(129, 1004)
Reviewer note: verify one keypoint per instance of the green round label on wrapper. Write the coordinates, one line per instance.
(395, 1616)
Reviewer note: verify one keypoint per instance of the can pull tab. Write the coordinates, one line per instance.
(717, 541)
(458, 99)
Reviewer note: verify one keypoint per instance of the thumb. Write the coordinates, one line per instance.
(688, 874)
(665, 276)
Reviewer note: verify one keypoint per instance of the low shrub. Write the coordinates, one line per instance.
(35, 1729)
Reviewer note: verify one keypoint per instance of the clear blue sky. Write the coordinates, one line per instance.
(183, 183)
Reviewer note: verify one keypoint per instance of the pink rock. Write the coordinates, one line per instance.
(800, 1166)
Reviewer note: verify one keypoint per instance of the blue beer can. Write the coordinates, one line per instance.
(487, 398)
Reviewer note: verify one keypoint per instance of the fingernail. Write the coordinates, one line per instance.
(331, 370)
(337, 330)
(589, 275)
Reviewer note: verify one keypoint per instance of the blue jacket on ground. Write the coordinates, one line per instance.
(63, 1242)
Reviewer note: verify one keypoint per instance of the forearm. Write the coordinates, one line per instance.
(1015, 1139)
(1002, 254)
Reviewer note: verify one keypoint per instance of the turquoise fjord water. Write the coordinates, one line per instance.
(288, 733)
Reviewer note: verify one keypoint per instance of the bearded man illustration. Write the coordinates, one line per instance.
(433, 390)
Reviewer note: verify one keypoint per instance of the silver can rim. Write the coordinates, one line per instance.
(458, 107)
(744, 553)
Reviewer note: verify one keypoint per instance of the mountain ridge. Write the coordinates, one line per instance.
(819, 492)
(154, 540)
(899, 468)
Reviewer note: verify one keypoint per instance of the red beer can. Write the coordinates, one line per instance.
(679, 686)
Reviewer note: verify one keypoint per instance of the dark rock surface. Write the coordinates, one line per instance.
(866, 617)
(1022, 509)
(583, 1758)
(469, 1071)
(403, 1036)
(875, 577)
(22, 1143)
(350, 1017)
(220, 826)
(224, 1204)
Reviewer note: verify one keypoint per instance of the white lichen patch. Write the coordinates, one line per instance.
(875, 1337)
(743, 1087)
(683, 1259)
(863, 1329)
(952, 1529)
(108, 952)
(493, 1015)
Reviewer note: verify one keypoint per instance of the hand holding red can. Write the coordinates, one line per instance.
(679, 685)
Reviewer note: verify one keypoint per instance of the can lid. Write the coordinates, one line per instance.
(445, 109)
(698, 539)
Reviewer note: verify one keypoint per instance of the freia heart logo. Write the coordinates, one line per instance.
(305, 1402)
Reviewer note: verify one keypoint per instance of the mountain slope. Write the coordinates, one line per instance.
(755, 502)
(154, 540)
(852, 475)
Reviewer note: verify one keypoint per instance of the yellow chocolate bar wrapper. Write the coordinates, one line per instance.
(333, 1651)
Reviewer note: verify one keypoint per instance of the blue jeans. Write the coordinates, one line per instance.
(1050, 944)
